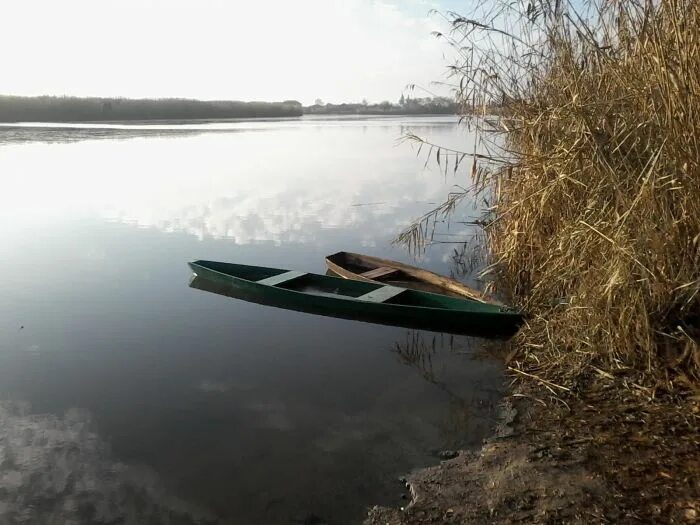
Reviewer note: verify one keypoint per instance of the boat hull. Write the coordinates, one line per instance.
(482, 320)
(348, 266)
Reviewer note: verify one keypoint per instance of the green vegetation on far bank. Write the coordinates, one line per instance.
(405, 106)
(74, 109)
(77, 109)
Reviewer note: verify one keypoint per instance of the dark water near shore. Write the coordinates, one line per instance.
(128, 396)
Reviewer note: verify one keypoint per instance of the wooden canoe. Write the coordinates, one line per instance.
(349, 299)
(373, 269)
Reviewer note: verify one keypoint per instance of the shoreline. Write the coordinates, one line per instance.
(128, 123)
(610, 454)
(584, 233)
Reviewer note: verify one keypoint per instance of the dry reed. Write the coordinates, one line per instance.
(594, 219)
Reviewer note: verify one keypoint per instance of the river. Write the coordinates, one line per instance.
(126, 396)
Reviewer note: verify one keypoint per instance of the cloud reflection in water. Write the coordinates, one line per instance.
(58, 470)
(283, 183)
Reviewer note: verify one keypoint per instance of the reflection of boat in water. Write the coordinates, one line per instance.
(347, 299)
(373, 269)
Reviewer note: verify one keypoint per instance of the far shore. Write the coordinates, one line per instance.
(46, 109)
(128, 124)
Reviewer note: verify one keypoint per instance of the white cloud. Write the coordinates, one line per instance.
(337, 50)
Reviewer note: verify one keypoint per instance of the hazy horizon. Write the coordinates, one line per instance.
(215, 50)
(417, 95)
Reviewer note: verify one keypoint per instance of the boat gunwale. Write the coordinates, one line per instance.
(497, 309)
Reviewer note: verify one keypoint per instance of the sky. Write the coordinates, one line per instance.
(338, 51)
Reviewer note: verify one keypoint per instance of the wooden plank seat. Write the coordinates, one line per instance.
(281, 278)
(382, 271)
(382, 294)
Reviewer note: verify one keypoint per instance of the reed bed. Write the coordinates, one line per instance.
(592, 181)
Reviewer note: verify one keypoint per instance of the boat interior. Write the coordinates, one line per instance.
(371, 292)
(369, 271)
(322, 285)
(386, 274)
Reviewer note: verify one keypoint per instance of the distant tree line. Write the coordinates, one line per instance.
(405, 106)
(75, 109)
(68, 109)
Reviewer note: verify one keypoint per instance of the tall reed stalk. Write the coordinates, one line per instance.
(593, 224)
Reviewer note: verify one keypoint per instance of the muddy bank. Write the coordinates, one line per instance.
(610, 455)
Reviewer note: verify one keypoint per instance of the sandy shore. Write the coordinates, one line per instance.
(610, 455)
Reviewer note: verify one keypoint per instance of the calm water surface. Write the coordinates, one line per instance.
(127, 396)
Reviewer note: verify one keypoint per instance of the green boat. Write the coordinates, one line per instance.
(357, 300)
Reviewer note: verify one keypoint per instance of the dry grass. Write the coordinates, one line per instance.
(594, 219)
